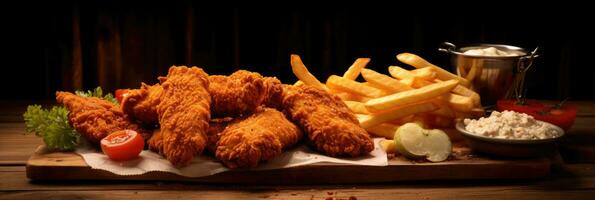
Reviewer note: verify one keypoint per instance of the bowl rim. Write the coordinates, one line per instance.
(461, 128)
(461, 51)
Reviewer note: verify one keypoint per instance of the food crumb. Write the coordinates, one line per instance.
(390, 156)
(329, 193)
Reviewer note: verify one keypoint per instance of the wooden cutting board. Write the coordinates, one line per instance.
(43, 165)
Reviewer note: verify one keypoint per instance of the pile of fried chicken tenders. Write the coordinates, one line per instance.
(242, 119)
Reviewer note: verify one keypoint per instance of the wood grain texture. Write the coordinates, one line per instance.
(345, 194)
(568, 177)
(45, 165)
(578, 145)
(16, 146)
(575, 181)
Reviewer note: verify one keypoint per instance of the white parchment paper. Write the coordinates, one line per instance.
(205, 165)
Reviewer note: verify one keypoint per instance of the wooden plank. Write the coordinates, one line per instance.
(568, 177)
(501, 192)
(578, 145)
(16, 146)
(45, 165)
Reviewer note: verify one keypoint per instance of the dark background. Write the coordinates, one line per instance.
(53, 46)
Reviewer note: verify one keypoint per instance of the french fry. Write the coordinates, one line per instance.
(342, 95)
(418, 62)
(379, 118)
(386, 130)
(403, 120)
(419, 82)
(415, 82)
(461, 90)
(458, 102)
(357, 107)
(444, 110)
(410, 96)
(300, 70)
(346, 96)
(399, 72)
(408, 81)
(298, 83)
(388, 146)
(384, 92)
(356, 68)
(426, 73)
(361, 117)
(383, 81)
(409, 78)
(339, 83)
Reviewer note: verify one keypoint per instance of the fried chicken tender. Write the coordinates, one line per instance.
(184, 115)
(156, 141)
(331, 127)
(258, 137)
(274, 95)
(96, 118)
(141, 104)
(216, 127)
(238, 94)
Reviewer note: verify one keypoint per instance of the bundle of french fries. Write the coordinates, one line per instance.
(427, 95)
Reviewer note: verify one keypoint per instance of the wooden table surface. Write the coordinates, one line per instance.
(573, 176)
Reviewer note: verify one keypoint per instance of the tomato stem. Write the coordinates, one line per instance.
(559, 105)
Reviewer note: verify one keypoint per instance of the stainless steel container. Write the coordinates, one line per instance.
(493, 77)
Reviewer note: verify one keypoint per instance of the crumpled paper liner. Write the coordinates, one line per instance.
(203, 165)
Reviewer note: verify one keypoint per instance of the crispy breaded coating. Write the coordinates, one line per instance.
(331, 127)
(141, 104)
(216, 127)
(274, 94)
(235, 95)
(96, 118)
(258, 137)
(184, 114)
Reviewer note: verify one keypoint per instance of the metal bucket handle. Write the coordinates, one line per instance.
(447, 47)
(526, 61)
(523, 65)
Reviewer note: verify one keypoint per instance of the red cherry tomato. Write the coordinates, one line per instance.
(530, 106)
(123, 145)
(563, 116)
(120, 94)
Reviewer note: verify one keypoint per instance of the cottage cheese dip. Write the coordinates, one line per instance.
(511, 125)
